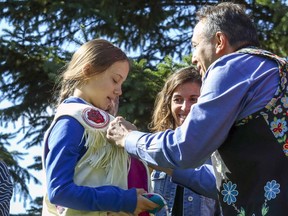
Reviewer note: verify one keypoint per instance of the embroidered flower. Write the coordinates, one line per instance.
(271, 189)
(229, 193)
(284, 100)
(285, 145)
(95, 116)
(277, 109)
(278, 127)
(285, 148)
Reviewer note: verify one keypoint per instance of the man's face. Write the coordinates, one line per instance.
(203, 48)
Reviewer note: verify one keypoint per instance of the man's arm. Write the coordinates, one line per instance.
(231, 91)
(200, 180)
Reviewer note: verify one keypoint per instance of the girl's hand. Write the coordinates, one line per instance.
(143, 204)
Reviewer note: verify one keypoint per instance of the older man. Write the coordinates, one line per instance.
(241, 117)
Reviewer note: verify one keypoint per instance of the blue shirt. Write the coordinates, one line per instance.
(201, 180)
(235, 86)
(63, 150)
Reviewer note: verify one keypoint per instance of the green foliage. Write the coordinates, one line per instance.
(36, 207)
(40, 36)
(141, 88)
(271, 18)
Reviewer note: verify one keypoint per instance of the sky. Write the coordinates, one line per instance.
(17, 205)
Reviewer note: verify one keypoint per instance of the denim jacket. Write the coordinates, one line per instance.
(193, 203)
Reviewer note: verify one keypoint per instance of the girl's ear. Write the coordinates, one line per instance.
(86, 70)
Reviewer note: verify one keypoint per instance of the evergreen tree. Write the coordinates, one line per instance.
(41, 36)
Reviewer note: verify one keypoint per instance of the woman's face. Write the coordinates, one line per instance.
(102, 89)
(182, 98)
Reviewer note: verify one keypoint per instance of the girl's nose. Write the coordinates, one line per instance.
(118, 91)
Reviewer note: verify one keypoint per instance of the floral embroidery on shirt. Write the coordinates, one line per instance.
(278, 127)
(271, 189)
(284, 100)
(276, 111)
(285, 147)
(229, 192)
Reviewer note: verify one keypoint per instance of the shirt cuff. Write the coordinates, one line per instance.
(131, 141)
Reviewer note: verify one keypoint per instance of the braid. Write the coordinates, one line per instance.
(67, 89)
(64, 93)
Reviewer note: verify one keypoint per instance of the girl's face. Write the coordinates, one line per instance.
(182, 98)
(102, 89)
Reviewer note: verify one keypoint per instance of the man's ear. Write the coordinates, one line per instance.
(87, 70)
(221, 42)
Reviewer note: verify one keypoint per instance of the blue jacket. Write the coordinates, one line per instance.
(193, 203)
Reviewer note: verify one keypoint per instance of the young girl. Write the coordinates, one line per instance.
(85, 174)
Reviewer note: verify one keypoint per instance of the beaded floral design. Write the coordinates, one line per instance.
(276, 111)
(230, 193)
(276, 115)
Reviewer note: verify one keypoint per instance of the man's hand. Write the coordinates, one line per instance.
(118, 129)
